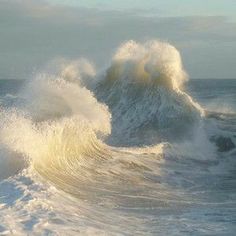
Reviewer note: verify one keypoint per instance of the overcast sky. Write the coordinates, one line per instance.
(161, 7)
(34, 32)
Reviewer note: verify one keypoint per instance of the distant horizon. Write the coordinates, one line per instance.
(187, 81)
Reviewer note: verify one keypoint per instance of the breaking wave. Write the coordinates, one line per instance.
(143, 88)
(68, 120)
(135, 152)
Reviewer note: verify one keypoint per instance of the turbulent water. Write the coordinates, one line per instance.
(135, 149)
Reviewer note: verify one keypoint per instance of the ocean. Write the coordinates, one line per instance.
(136, 149)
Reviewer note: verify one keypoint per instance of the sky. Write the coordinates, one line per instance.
(36, 32)
(161, 7)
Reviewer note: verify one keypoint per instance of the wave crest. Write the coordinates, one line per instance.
(151, 62)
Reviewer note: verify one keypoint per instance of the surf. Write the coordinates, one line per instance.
(70, 120)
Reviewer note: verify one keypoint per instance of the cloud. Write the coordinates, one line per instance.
(35, 32)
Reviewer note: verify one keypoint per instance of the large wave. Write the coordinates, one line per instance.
(56, 122)
(143, 88)
(128, 143)
(62, 130)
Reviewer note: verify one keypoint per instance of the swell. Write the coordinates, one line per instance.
(143, 88)
(57, 124)
(66, 132)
